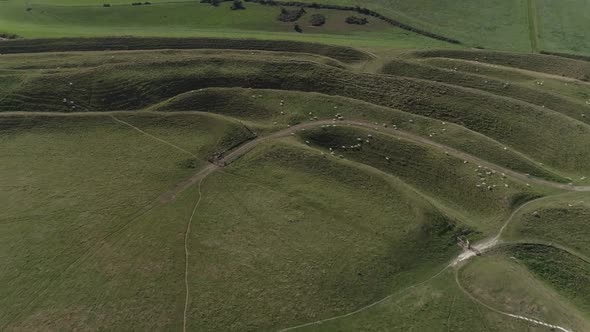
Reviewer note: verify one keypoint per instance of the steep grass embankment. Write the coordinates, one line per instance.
(566, 273)
(563, 222)
(344, 54)
(271, 110)
(505, 88)
(549, 64)
(482, 194)
(501, 281)
(561, 144)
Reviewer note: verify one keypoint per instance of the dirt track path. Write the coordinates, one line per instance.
(187, 254)
(244, 148)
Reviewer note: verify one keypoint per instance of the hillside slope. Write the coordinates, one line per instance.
(266, 185)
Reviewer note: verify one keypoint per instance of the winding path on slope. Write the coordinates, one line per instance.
(244, 148)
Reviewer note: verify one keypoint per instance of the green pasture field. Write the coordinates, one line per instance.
(522, 26)
(193, 19)
(73, 183)
(563, 25)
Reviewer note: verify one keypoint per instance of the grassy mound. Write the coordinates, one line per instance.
(129, 86)
(575, 110)
(300, 211)
(562, 221)
(341, 53)
(71, 61)
(568, 274)
(549, 64)
(547, 84)
(269, 110)
(447, 179)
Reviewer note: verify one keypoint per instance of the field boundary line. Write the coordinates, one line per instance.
(153, 137)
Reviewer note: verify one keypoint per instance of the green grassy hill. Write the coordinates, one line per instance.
(208, 184)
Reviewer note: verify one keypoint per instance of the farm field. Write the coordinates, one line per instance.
(193, 19)
(186, 166)
(521, 26)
